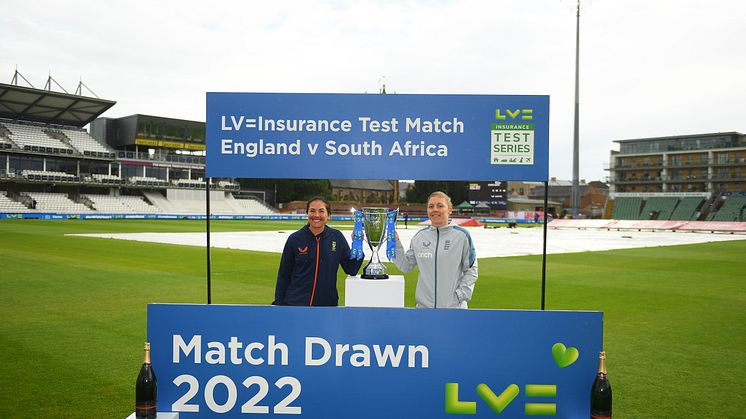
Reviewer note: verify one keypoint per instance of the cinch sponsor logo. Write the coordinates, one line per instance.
(424, 255)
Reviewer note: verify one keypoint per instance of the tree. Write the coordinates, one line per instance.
(456, 189)
(290, 189)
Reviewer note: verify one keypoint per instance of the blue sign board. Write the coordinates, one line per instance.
(376, 136)
(350, 362)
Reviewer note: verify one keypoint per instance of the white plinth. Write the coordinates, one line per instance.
(374, 292)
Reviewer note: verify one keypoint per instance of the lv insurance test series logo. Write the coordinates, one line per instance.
(512, 137)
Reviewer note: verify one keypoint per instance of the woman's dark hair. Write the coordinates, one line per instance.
(322, 199)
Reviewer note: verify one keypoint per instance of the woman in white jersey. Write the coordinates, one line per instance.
(445, 255)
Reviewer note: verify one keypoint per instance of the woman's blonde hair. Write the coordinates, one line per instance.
(442, 195)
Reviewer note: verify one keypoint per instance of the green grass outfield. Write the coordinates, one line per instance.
(73, 313)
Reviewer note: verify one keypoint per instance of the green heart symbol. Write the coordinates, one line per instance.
(564, 356)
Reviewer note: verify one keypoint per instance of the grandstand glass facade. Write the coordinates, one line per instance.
(151, 128)
(96, 167)
(62, 165)
(19, 163)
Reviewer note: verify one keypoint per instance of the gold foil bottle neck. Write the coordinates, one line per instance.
(147, 352)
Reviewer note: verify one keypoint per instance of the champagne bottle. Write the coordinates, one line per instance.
(146, 389)
(601, 392)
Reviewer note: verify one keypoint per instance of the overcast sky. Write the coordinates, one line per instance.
(647, 67)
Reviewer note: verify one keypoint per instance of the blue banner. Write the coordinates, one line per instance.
(375, 136)
(348, 362)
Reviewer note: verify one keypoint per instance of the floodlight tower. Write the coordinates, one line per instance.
(576, 140)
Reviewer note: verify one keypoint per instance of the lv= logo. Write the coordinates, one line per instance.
(563, 357)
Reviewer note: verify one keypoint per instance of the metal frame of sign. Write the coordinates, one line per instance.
(361, 136)
(353, 362)
(372, 136)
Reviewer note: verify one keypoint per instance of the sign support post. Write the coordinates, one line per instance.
(544, 249)
(207, 224)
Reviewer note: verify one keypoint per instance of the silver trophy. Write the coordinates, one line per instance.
(375, 225)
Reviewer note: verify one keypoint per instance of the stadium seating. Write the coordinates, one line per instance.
(733, 209)
(87, 145)
(188, 183)
(229, 185)
(49, 176)
(138, 204)
(193, 201)
(662, 206)
(249, 206)
(687, 209)
(186, 201)
(8, 205)
(5, 143)
(147, 181)
(107, 179)
(56, 203)
(33, 138)
(121, 204)
(627, 208)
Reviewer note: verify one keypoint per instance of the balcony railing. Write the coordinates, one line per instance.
(173, 158)
(731, 162)
(689, 163)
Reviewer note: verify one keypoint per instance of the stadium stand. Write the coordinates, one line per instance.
(193, 201)
(10, 206)
(159, 201)
(5, 141)
(229, 185)
(186, 183)
(49, 176)
(107, 203)
(56, 203)
(627, 208)
(658, 208)
(687, 209)
(249, 206)
(120, 204)
(85, 144)
(34, 138)
(138, 204)
(147, 181)
(733, 209)
(50, 163)
(108, 179)
(5, 137)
